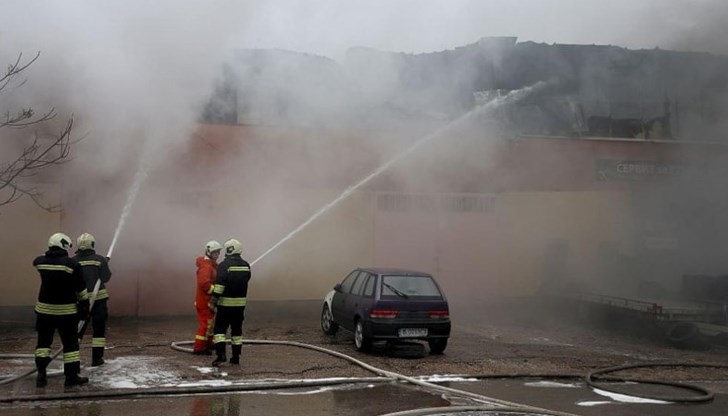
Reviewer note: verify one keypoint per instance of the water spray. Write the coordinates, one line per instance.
(510, 98)
(139, 178)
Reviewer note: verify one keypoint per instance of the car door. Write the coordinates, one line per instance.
(338, 302)
(366, 300)
(352, 302)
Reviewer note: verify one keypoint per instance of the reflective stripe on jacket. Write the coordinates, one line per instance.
(62, 286)
(94, 267)
(231, 286)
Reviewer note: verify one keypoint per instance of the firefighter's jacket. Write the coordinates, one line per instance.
(94, 267)
(231, 284)
(62, 288)
(206, 272)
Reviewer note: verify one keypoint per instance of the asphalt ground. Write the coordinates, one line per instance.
(504, 343)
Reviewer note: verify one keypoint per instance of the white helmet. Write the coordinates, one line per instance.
(85, 241)
(60, 240)
(233, 246)
(211, 246)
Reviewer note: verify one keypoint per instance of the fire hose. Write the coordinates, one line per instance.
(485, 403)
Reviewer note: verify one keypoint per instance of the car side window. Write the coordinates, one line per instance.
(356, 289)
(349, 282)
(369, 286)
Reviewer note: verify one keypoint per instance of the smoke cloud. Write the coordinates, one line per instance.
(324, 101)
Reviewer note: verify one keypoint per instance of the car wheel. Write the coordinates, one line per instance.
(327, 321)
(437, 346)
(362, 342)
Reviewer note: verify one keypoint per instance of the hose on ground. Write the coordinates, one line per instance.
(396, 376)
(10, 379)
(81, 331)
(170, 391)
(704, 394)
(461, 409)
(594, 379)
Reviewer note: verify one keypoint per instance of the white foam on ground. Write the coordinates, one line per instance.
(204, 370)
(591, 403)
(204, 383)
(438, 378)
(626, 398)
(131, 373)
(552, 384)
(619, 398)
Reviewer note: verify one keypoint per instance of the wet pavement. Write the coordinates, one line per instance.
(369, 399)
(501, 354)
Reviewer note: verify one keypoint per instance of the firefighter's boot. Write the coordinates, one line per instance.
(235, 359)
(72, 370)
(97, 356)
(75, 380)
(221, 358)
(41, 363)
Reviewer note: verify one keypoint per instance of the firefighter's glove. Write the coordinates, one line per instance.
(212, 305)
(83, 310)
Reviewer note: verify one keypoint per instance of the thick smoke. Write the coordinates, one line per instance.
(316, 115)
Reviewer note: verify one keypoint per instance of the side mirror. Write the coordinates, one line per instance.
(337, 287)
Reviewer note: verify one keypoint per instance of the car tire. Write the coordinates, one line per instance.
(327, 321)
(437, 346)
(361, 341)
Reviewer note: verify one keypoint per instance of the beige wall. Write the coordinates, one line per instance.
(24, 232)
(308, 265)
(530, 221)
(499, 251)
(502, 251)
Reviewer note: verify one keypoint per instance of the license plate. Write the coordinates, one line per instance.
(412, 332)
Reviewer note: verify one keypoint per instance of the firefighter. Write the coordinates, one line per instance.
(62, 301)
(206, 271)
(95, 268)
(229, 297)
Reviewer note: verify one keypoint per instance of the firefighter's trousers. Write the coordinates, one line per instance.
(229, 316)
(203, 337)
(67, 326)
(99, 315)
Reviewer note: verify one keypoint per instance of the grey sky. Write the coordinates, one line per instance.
(329, 27)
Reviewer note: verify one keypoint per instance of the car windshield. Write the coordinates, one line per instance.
(394, 286)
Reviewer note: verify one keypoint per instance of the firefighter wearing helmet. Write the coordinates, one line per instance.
(206, 272)
(95, 268)
(62, 301)
(229, 297)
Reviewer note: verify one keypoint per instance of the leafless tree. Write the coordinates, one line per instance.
(41, 151)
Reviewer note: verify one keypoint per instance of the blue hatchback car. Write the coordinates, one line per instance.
(379, 304)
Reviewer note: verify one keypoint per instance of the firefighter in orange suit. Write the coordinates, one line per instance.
(206, 272)
(62, 301)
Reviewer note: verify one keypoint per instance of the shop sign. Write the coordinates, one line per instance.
(635, 170)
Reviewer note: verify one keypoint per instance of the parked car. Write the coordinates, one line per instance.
(388, 305)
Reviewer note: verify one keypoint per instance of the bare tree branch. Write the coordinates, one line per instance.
(43, 152)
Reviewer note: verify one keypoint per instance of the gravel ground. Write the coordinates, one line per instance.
(493, 341)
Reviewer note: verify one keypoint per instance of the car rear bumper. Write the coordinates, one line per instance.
(390, 330)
